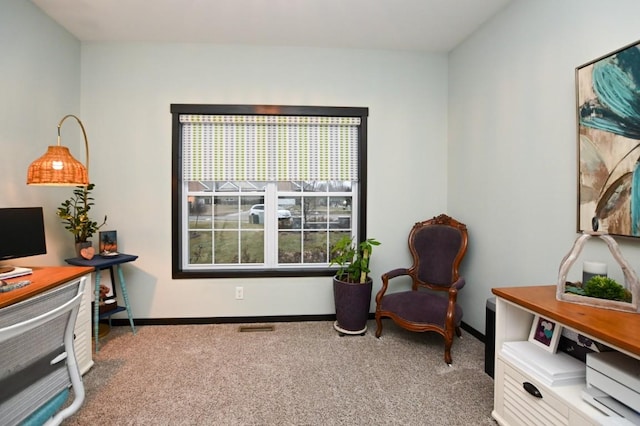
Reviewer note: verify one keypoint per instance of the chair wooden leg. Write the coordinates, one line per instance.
(447, 353)
(458, 332)
(378, 326)
(448, 342)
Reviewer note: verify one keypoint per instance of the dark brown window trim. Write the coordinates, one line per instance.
(176, 187)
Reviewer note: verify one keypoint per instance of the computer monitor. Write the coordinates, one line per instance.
(21, 234)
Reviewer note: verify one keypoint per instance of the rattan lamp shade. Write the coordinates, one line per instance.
(57, 167)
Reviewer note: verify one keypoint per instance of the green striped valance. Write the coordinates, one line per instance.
(269, 147)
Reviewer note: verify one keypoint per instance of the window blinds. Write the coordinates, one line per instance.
(269, 147)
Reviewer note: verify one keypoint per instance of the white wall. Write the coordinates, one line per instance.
(39, 84)
(126, 93)
(504, 99)
(512, 140)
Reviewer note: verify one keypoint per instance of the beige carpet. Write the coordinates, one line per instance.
(302, 373)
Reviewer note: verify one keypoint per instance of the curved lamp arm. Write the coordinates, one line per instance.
(84, 134)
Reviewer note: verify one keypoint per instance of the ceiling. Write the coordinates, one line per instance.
(414, 25)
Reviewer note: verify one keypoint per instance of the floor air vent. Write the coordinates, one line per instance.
(247, 328)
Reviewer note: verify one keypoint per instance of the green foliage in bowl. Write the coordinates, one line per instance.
(606, 288)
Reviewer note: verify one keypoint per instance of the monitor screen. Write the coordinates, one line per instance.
(21, 232)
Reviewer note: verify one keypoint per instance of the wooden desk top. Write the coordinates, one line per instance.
(42, 279)
(621, 329)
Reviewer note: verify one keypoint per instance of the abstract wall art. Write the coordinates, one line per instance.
(608, 115)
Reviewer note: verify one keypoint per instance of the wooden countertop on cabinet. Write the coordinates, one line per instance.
(618, 328)
(42, 279)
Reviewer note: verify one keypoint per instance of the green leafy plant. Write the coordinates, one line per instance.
(606, 288)
(352, 259)
(74, 213)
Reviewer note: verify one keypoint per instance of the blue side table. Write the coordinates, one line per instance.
(100, 263)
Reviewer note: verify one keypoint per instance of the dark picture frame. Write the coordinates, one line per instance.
(108, 244)
(545, 333)
(608, 129)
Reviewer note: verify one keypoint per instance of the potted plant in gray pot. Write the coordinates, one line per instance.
(352, 284)
(74, 213)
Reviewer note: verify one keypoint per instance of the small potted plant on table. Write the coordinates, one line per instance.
(352, 284)
(74, 213)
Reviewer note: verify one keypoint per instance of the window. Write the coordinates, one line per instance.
(265, 190)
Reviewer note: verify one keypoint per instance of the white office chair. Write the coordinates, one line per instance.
(37, 359)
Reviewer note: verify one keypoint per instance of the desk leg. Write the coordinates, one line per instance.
(125, 296)
(96, 309)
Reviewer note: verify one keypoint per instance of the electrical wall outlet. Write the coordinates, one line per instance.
(239, 293)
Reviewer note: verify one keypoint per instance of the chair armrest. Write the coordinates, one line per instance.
(459, 284)
(395, 273)
(453, 298)
(385, 281)
(453, 290)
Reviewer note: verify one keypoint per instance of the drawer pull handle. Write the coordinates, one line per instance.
(529, 387)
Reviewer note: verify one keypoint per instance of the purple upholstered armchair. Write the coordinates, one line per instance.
(438, 246)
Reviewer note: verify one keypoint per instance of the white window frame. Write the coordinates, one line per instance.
(271, 229)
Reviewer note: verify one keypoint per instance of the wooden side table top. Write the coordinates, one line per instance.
(42, 279)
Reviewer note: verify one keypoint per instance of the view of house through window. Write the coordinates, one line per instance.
(255, 196)
(229, 221)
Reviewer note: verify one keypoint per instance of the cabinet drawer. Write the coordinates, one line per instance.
(519, 407)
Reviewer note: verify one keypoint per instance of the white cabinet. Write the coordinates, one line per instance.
(516, 406)
(44, 279)
(558, 404)
(82, 331)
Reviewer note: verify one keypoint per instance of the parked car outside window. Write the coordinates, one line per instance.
(257, 209)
